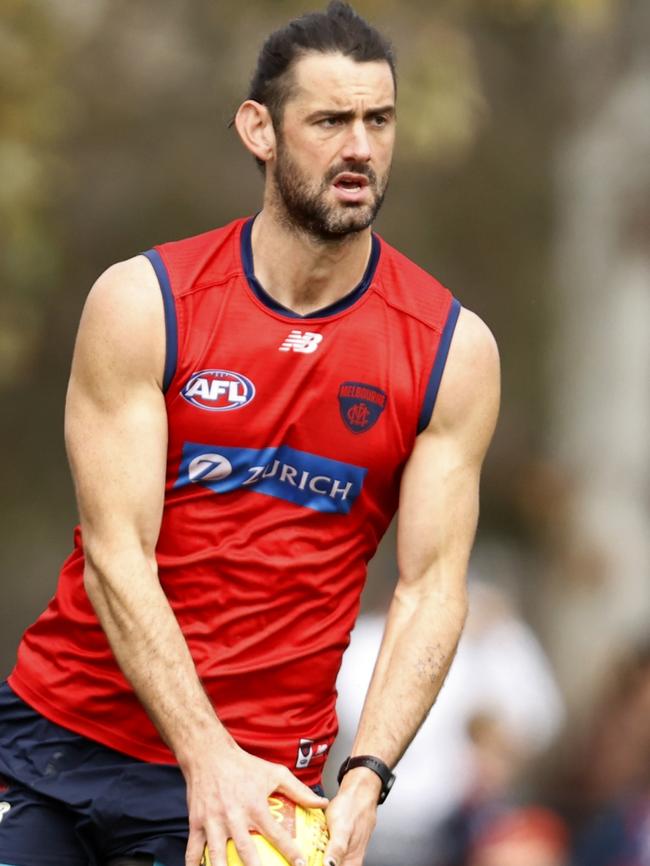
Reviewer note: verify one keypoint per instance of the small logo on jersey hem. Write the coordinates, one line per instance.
(307, 751)
(218, 390)
(4, 808)
(360, 405)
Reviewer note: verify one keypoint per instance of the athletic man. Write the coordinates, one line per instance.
(246, 410)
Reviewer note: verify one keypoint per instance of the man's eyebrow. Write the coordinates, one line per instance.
(350, 114)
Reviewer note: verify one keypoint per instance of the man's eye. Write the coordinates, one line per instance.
(329, 122)
(380, 120)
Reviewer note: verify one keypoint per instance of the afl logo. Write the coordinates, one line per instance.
(218, 390)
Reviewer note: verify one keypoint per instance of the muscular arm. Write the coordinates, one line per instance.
(116, 435)
(436, 525)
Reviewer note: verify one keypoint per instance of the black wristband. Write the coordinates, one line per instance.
(376, 765)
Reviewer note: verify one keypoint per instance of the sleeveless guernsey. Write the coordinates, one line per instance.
(287, 440)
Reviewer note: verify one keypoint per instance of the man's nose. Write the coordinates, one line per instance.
(357, 145)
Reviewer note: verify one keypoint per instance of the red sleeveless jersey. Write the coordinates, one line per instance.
(287, 440)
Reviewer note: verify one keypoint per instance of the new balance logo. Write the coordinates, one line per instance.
(301, 341)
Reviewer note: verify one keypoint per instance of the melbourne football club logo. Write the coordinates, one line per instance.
(218, 390)
(360, 405)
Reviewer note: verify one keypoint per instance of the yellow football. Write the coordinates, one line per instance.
(307, 826)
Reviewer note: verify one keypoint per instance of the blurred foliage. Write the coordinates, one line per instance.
(33, 121)
(90, 89)
(113, 136)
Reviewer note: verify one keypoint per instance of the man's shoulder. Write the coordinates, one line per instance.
(409, 288)
(208, 238)
(202, 258)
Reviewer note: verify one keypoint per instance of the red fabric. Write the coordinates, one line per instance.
(266, 590)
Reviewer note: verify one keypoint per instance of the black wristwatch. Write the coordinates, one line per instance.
(382, 770)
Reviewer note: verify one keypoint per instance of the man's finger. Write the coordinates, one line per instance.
(216, 847)
(334, 855)
(195, 848)
(243, 842)
(336, 849)
(301, 793)
(281, 840)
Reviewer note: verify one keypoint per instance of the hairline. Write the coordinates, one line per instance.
(288, 87)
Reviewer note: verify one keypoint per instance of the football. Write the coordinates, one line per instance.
(307, 826)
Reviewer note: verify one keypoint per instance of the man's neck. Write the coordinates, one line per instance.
(302, 273)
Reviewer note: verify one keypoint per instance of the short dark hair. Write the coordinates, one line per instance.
(338, 30)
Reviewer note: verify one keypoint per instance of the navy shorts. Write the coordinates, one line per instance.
(68, 801)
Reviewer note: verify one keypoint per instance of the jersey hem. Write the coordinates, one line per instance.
(99, 733)
(134, 749)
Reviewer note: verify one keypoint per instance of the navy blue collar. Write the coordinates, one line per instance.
(337, 307)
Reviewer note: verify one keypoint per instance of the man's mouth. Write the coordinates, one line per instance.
(351, 182)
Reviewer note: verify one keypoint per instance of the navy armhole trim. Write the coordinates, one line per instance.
(171, 325)
(270, 302)
(439, 365)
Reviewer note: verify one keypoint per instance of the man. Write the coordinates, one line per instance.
(246, 410)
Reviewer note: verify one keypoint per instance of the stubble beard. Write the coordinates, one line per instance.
(305, 209)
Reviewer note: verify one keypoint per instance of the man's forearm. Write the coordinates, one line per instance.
(419, 643)
(151, 650)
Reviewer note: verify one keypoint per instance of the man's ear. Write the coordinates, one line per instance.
(255, 128)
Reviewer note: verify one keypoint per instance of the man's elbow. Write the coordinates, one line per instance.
(97, 575)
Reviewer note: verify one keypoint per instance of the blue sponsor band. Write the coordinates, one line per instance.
(305, 479)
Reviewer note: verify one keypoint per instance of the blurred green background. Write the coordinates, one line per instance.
(521, 180)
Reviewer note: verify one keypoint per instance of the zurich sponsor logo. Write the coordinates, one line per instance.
(209, 467)
(218, 390)
(285, 473)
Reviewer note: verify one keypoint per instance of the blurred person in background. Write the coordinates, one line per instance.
(247, 408)
(499, 709)
(532, 836)
(608, 797)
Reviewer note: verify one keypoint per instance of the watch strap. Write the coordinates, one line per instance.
(371, 763)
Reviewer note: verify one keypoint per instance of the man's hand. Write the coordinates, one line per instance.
(351, 818)
(227, 793)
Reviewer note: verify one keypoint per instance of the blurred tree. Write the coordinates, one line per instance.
(597, 598)
(114, 136)
(35, 114)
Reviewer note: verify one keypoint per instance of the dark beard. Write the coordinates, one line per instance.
(307, 210)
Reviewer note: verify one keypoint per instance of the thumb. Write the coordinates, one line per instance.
(335, 851)
(301, 793)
